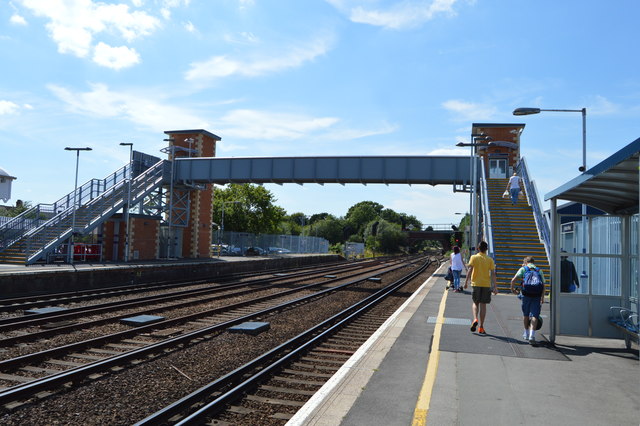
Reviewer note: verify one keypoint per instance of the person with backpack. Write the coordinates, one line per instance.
(532, 290)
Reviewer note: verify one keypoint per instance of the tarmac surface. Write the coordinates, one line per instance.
(425, 366)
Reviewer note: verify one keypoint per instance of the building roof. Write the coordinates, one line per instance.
(195, 131)
(611, 185)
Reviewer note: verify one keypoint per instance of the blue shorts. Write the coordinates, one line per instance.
(531, 306)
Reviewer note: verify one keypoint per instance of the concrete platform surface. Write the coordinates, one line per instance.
(420, 370)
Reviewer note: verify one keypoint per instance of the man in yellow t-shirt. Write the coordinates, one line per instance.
(482, 272)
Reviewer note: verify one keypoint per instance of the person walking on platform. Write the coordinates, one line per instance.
(532, 290)
(456, 268)
(513, 186)
(482, 272)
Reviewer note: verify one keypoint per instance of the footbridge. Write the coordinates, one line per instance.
(411, 170)
(174, 193)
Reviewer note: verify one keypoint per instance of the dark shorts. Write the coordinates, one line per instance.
(531, 306)
(481, 295)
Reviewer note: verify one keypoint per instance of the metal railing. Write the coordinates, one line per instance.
(16, 228)
(542, 223)
(487, 227)
(46, 238)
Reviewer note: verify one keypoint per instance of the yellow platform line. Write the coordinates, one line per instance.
(424, 399)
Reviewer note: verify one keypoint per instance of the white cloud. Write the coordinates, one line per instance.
(115, 57)
(467, 111)
(402, 15)
(602, 106)
(252, 124)
(17, 19)
(145, 109)
(190, 27)
(223, 66)
(8, 107)
(73, 24)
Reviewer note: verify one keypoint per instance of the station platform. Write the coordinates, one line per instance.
(425, 366)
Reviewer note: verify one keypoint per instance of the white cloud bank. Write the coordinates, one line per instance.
(73, 24)
(223, 66)
(8, 107)
(144, 109)
(468, 111)
(397, 16)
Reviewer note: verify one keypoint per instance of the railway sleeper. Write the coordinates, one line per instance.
(307, 373)
(292, 391)
(315, 367)
(274, 401)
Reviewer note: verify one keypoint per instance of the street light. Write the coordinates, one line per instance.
(529, 111)
(475, 142)
(75, 195)
(126, 210)
(222, 225)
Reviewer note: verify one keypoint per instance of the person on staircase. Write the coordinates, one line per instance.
(513, 186)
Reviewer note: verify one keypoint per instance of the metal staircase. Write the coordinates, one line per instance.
(41, 230)
(515, 235)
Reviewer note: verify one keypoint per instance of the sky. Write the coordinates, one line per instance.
(313, 77)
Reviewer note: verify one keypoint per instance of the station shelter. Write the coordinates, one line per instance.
(602, 244)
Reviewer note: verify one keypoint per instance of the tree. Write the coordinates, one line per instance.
(319, 216)
(15, 211)
(384, 236)
(329, 229)
(247, 208)
(362, 213)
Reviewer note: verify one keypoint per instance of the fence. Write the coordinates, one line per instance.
(243, 243)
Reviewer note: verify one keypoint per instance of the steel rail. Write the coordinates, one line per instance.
(276, 357)
(76, 374)
(44, 299)
(13, 323)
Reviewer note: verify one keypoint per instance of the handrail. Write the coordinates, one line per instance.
(542, 223)
(31, 219)
(91, 213)
(487, 226)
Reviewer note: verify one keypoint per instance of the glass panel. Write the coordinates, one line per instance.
(606, 235)
(634, 235)
(606, 276)
(581, 239)
(634, 279)
(570, 281)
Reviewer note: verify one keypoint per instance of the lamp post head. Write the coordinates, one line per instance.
(126, 144)
(526, 111)
(78, 149)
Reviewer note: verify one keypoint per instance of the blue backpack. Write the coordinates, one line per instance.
(532, 283)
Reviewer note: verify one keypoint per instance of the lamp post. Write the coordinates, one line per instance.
(529, 111)
(126, 210)
(475, 138)
(555, 289)
(222, 224)
(75, 195)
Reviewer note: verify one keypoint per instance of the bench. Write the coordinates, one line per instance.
(626, 321)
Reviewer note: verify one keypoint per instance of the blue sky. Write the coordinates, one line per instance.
(313, 77)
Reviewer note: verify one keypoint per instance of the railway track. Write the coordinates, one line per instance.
(41, 373)
(273, 386)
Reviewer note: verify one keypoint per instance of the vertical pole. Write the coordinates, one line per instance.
(555, 271)
(73, 216)
(126, 210)
(170, 229)
(221, 231)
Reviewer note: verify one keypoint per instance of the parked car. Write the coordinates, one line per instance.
(278, 250)
(254, 251)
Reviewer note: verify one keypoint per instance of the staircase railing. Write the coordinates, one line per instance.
(487, 226)
(542, 223)
(44, 239)
(15, 229)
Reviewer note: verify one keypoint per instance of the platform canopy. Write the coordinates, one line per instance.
(611, 186)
